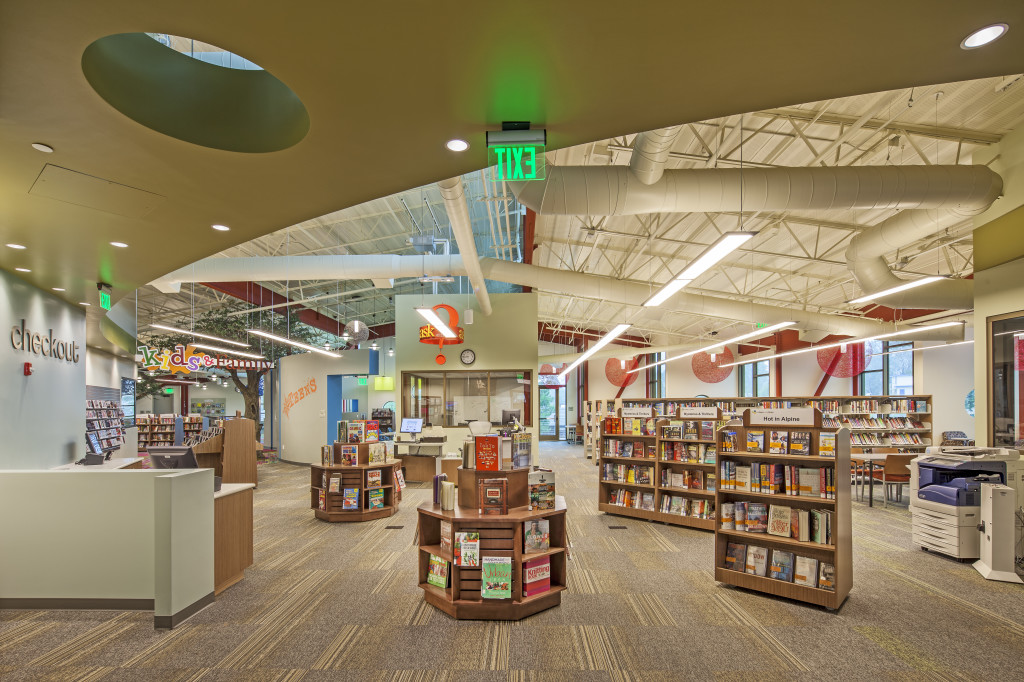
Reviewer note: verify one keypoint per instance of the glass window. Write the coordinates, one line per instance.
(872, 379)
(465, 398)
(655, 375)
(510, 391)
(422, 395)
(457, 398)
(1007, 358)
(755, 379)
(900, 368)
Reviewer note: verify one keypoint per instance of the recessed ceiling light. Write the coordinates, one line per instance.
(39, 146)
(57, 289)
(457, 145)
(220, 228)
(15, 246)
(120, 245)
(83, 303)
(984, 36)
(22, 269)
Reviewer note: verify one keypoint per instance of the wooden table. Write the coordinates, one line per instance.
(869, 459)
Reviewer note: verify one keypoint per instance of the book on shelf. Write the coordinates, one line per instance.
(691, 430)
(542, 489)
(467, 548)
(826, 444)
(322, 501)
(378, 453)
(493, 493)
(438, 479)
(334, 484)
(676, 505)
(536, 536)
(373, 478)
(755, 441)
(376, 498)
(800, 443)
(710, 453)
(778, 443)
(627, 450)
(742, 479)
(446, 536)
(356, 433)
(342, 431)
(648, 428)
(739, 514)
(611, 425)
(487, 452)
(496, 577)
(371, 431)
(399, 478)
(349, 455)
(805, 571)
(323, 479)
(782, 566)
(757, 517)
(635, 426)
(437, 572)
(536, 576)
(735, 556)
(780, 520)
(820, 526)
(448, 495)
(728, 516)
(350, 499)
(827, 576)
(729, 441)
(647, 501)
(757, 560)
(707, 430)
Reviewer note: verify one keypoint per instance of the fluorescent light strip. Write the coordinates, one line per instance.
(722, 247)
(904, 332)
(430, 316)
(914, 350)
(897, 289)
(228, 350)
(719, 344)
(604, 341)
(205, 336)
(281, 339)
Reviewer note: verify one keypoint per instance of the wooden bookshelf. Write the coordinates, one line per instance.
(354, 476)
(839, 552)
(500, 535)
(700, 468)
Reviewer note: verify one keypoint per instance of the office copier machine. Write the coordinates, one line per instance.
(945, 495)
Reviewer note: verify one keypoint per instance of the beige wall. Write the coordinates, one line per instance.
(997, 291)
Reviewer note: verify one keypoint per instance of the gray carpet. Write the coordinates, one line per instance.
(339, 602)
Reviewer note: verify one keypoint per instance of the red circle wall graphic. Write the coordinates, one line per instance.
(849, 364)
(547, 369)
(712, 372)
(618, 376)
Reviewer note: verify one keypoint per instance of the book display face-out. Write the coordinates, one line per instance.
(365, 488)
(783, 496)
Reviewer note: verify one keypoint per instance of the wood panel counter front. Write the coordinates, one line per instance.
(232, 534)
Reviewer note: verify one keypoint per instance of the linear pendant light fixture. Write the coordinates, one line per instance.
(228, 350)
(281, 339)
(847, 342)
(722, 247)
(601, 343)
(430, 316)
(205, 336)
(720, 344)
(913, 284)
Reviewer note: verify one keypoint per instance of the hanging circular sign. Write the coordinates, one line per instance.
(430, 335)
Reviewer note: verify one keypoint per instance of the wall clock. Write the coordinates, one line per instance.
(468, 357)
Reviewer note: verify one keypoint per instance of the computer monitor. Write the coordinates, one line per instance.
(172, 457)
(507, 415)
(410, 425)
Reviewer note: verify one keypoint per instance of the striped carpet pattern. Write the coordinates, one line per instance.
(340, 602)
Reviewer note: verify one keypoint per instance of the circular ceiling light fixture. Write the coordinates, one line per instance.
(45, 148)
(984, 36)
(22, 269)
(15, 246)
(220, 228)
(457, 145)
(120, 245)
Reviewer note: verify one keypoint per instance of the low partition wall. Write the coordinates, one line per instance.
(130, 539)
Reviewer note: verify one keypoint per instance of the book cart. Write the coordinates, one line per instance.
(839, 552)
(330, 506)
(501, 536)
(667, 434)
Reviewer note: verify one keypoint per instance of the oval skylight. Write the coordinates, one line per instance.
(205, 52)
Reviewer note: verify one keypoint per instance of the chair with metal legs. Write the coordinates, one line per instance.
(895, 471)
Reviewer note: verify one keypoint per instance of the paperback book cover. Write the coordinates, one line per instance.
(496, 577)
(755, 441)
(742, 479)
(780, 520)
(342, 431)
(757, 517)
(536, 536)
(334, 485)
(377, 499)
(779, 442)
(542, 489)
(827, 444)
(757, 560)
(373, 478)
(676, 506)
(800, 443)
(627, 450)
(691, 430)
(806, 571)
(350, 500)
(378, 453)
(710, 453)
(782, 565)
(349, 455)
(493, 496)
(536, 576)
(647, 501)
(446, 536)
(437, 572)
(809, 482)
(325, 455)
(827, 577)
(728, 441)
(735, 555)
(322, 503)
(707, 430)
(356, 432)
(371, 431)
(801, 525)
(487, 452)
(740, 514)
(467, 549)
(399, 478)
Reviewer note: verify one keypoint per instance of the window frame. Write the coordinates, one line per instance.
(443, 377)
(888, 347)
(754, 376)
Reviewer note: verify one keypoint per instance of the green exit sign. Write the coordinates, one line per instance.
(105, 300)
(760, 325)
(169, 391)
(362, 381)
(517, 161)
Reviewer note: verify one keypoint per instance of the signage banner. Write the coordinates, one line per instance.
(641, 412)
(698, 413)
(793, 416)
(186, 359)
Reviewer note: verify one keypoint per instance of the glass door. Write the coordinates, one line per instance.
(552, 412)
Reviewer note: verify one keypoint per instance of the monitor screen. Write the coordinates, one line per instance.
(412, 425)
(506, 416)
(172, 457)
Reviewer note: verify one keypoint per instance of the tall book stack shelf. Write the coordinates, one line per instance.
(457, 546)
(660, 469)
(354, 482)
(192, 425)
(785, 527)
(155, 429)
(594, 412)
(104, 419)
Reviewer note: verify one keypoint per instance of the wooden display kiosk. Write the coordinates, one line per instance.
(232, 454)
(330, 505)
(500, 535)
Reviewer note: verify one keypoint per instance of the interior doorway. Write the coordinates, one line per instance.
(552, 411)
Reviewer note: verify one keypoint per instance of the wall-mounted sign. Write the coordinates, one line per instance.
(430, 335)
(295, 397)
(23, 338)
(794, 416)
(186, 359)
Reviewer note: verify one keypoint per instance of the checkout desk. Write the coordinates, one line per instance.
(107, 465)
(421, 459)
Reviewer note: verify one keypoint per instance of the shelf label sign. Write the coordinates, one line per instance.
(698, 413)
(641, 412)
(793, 416)
(517, 161)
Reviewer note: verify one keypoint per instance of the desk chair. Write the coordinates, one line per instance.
(895, 471)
